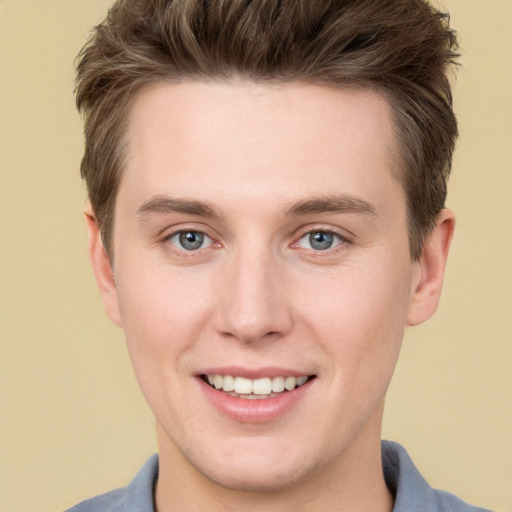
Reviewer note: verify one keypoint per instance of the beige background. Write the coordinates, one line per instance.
(73, 422)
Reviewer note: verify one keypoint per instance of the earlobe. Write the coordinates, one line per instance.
(427, 290)
(102, 267)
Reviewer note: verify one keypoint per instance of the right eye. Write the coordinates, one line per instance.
(190, 240)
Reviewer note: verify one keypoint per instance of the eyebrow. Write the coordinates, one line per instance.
(333, 204)
(160, 205)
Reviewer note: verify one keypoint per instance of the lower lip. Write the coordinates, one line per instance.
(259, 410)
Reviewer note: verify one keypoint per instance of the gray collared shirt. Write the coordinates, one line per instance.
(412, 492)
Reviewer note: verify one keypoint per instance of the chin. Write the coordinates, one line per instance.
(258, 465)
(257, 479)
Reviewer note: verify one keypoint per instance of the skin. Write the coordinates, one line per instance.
(273, 164)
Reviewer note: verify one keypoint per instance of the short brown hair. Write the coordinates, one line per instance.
(402, 48)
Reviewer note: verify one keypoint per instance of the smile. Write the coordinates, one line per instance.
(254, 389)
(255, 396)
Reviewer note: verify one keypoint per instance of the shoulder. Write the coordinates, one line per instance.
(447, 502)
(112, 501)
(411, 490)
(137, 496)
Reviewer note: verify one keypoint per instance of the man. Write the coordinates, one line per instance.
(267, 184)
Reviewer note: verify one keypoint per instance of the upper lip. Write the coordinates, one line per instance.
(254, 373)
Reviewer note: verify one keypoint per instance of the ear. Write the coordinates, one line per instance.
(102, 267)
(426, 294)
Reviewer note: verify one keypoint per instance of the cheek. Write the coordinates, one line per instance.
(163, 316)
(163, 313)
(359, 318)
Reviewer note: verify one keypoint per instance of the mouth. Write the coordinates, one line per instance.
(255, 389)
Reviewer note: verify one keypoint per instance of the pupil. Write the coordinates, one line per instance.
(321, 240)
(191, 240)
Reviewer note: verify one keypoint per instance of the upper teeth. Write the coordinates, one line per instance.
(263, 386)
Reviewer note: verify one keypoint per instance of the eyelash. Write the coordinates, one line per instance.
(339, 242)
(182, 251)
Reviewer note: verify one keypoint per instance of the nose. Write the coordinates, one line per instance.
(254, 304)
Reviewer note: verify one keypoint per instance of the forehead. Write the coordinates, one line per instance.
(266, 136)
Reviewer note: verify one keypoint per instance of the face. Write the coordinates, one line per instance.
(262, 275)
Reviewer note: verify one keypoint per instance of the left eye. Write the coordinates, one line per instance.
(320, 240)
(190, 240)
